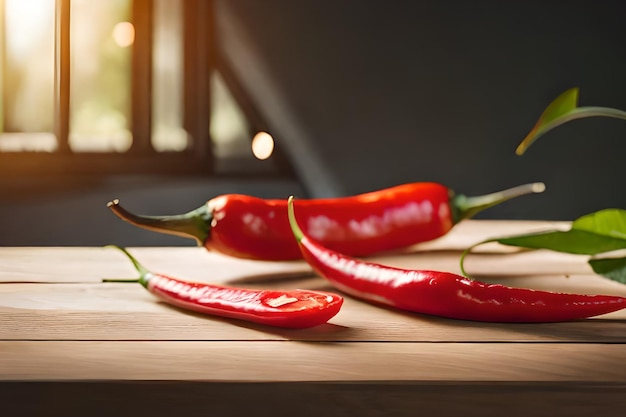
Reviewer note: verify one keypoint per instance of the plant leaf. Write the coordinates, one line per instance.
(592, 234)
(607, 222)
(562, 110)
(599, 232)
(612, 268)
(574, 241)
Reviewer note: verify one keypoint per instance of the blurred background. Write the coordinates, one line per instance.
(165, 104)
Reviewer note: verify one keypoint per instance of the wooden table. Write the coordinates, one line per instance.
(72, 345)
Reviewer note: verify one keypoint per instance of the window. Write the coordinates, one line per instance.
(122, 86)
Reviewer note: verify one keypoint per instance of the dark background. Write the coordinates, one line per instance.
(385, 92)
(366, 94)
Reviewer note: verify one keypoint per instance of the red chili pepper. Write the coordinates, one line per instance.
(247, 227)
(445, 294)
(295, 309)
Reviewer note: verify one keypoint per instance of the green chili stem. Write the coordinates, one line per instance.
(465, 207)
(467, 252)
(297, 232)
(120, 279)
(194, 224)
(144, 274)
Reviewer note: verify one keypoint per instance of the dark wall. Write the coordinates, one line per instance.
(72, 211)
(365, 94)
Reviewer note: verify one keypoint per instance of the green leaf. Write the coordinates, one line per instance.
(599, 232)
(562, 110)
(607, 222)
(596, 233)
(612, 268)
(572, 241)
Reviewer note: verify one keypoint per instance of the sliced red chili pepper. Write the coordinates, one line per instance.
(296, 309)
(362, 225)
(446, 294)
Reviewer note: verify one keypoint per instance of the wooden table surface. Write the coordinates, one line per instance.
(72, 345)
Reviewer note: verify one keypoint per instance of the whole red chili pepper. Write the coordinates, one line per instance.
(296, 309)
(445, 294)
(361, 225)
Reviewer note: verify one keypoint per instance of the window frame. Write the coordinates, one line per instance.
(200, 59)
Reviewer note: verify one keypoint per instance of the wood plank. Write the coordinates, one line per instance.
(66, 265)
(492, 264)
(302, 361)
(92, 264)
(470, 232)
(62, 331)
(128, 312)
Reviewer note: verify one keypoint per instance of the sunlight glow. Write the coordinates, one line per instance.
(27, 22)
(124, 34)
(100, 76)
(262, 145)
(27, 72)
(168, 130)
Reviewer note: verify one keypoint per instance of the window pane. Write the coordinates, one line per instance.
(168, 133)
(229, 127)
(28, 76)
(100, 43)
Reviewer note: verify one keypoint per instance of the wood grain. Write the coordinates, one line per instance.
(92, 264)
(311, 361)
(128, 312)
(63, 332)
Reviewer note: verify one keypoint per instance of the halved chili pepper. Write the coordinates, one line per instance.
(446, 294)
(296, 309)
(248, 227)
